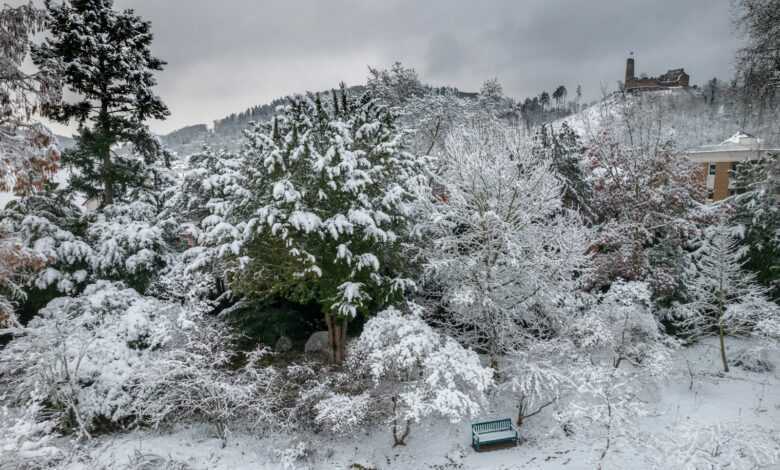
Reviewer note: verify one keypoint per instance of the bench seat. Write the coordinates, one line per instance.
(502, 436)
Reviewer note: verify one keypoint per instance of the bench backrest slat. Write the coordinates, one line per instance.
(492, 426)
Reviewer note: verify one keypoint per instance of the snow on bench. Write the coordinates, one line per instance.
(493, 432)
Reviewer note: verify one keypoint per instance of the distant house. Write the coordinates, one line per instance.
(720, 162)
(675, 78)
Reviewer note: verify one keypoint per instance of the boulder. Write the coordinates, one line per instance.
(283, 344)
(317, 343)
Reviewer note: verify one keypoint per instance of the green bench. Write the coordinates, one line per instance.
(493, 432)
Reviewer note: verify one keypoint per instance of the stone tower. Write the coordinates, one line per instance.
(629, 69)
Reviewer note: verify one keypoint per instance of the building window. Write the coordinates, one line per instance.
(733, 170)
(712, 168)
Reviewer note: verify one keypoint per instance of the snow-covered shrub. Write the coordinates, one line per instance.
(291, 458)
(698, 446)
(769, 328)
(81, 353)
(128, 243)
(622, 325)
(535, 377)
(25, 437)
(148, 461)
(617, 351)
(418, 372)
(192, 379)
(604, 404)
(181, 284)
(342, 413)
(18, 265)
(753, 360)
(312, 393)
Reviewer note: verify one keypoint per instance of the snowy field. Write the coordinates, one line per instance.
(696, 404)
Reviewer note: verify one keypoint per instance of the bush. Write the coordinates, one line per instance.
(194, 380)
(81, 354)
(753, 360)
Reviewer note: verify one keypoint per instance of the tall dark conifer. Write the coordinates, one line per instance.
(105, 60)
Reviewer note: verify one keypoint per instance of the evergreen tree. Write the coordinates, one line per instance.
(105, 59)
(328, 209)
(724, 298)
(396, 86)
(544, 100)
(758, 212)
(49, 225)
(563, 149)
(559, 95)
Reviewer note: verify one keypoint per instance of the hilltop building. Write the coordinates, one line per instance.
(720, 162)
(675, 78)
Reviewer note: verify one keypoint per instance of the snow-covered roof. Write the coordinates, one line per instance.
(739, 142)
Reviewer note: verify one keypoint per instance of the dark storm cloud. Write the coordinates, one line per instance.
(224, 56)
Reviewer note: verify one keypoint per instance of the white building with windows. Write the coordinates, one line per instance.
(720, 162)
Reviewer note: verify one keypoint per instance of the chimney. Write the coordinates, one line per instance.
(629, 69)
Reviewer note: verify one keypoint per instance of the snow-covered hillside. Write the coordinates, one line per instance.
(682, 115)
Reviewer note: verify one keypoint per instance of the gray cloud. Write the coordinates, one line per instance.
(224, 56)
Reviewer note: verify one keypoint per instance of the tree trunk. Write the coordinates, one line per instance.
(337, 337)
(108, 184)
(398, 440)
(721, 330)
(105, 148)
(721, 334)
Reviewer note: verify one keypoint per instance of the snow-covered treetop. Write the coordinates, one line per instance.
(329, 187)
(500, 248)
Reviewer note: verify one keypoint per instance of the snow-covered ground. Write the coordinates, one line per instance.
(698, 410)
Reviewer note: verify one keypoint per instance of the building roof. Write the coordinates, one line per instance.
(739, 146)
(739, 142)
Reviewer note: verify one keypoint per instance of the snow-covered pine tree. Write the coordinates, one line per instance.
(204, 204)
(724, 297)
(129, 244)
(757, 210)
(105, 59)
(563, 148)
(209, 188)
(50, 225)
(395, 87)
(501, 251)
(328, 208)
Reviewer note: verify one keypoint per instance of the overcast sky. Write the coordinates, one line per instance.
(226, 55)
